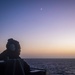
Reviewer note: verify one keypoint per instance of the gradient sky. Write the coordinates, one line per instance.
(44, 28)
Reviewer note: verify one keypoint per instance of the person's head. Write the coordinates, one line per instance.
(13, 46)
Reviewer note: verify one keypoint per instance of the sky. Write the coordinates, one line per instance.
(44, 28)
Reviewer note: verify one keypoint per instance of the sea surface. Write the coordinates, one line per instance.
(54, 66)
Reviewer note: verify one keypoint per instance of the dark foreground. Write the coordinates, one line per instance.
(54, 66)
(16, 67)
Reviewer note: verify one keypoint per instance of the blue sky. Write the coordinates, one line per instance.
(44, 28)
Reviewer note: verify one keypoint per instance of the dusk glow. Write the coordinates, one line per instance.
(44, 28)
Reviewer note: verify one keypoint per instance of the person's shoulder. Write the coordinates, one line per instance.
(3, 55)
(4, 52)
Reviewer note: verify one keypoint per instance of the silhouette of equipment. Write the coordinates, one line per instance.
(15, 67)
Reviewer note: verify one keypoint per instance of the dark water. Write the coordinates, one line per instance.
(54, 66)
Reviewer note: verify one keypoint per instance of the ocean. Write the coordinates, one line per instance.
(54, 66)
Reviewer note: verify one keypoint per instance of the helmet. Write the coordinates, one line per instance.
(13, 45)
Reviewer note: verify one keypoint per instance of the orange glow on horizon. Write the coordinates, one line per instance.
(46, 49)
(49, 51)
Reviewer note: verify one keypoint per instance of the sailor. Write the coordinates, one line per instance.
(12, 51)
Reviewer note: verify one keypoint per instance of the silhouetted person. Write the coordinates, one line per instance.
(12, 52)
